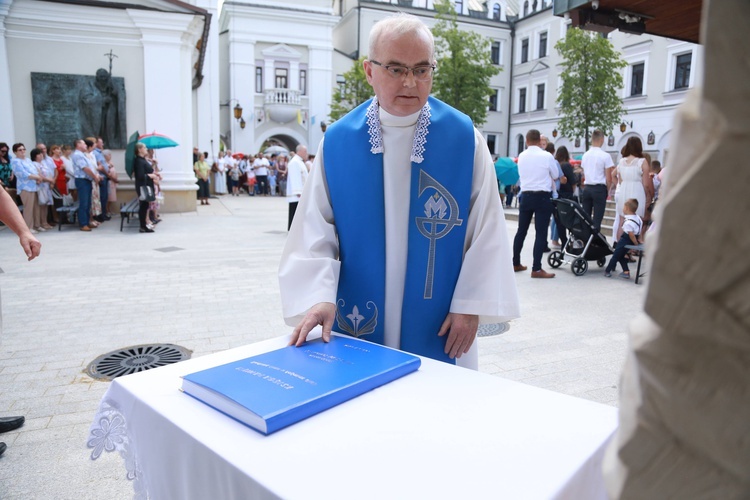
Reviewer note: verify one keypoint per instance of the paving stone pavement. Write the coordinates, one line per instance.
(207, 281)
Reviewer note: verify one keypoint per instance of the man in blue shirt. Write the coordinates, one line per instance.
(84, 175)
(103, 168)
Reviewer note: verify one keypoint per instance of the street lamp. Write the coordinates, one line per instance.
(237, 116)
(554, 133)
(624, 126)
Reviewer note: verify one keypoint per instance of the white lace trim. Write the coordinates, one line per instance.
(375, 131)
(109, 433)
(420, 135)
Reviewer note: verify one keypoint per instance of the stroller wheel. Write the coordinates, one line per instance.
(601, 262)
(579, 266)
(555, 259)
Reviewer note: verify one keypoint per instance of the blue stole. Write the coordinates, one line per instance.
(442, 157)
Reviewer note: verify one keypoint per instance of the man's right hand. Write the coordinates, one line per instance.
(321, 313)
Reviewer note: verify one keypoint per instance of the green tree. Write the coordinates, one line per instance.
(354, 91)
(591, 80)
(464, 66)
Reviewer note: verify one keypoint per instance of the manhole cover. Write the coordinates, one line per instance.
(135, 359)
(492, 329)
(169, 249)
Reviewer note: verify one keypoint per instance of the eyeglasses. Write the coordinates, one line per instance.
(421, 73)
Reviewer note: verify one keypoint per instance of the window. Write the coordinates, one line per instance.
(524, 50)
(282, 78)
(303, 81)
(526, 8)
(543, 44)
(540, 96)
(521, 100)
(491, 141)
(496, 12)
(495, 53)
(636, 79)
(258, 80)
(459, 6)
(521, 143)
(682, 72)
(494, 99)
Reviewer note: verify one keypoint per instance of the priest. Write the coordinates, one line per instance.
(399, 237)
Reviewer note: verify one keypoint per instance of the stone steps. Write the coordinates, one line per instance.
(607, 221)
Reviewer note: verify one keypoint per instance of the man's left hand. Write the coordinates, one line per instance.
(461, 330)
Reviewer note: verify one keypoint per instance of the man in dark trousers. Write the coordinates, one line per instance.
(538, 171)
(597, 173)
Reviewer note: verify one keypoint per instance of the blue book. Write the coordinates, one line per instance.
(279, 388)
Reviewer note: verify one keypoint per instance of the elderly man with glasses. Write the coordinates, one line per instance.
(399, 236)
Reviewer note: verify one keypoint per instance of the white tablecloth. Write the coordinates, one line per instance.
(442, 432)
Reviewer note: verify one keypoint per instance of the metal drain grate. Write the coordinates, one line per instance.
(136, 359)
(492, 329)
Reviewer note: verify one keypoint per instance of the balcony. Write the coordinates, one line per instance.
(282, 105)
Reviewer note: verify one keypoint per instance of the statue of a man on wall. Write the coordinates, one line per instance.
(102, 107)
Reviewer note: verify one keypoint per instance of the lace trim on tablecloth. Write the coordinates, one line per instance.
(109, 433)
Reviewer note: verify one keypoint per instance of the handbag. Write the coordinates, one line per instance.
(146, 193)
(43, 196)
(67, 200)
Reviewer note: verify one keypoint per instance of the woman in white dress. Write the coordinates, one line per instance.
(220, 176)
(633, 181)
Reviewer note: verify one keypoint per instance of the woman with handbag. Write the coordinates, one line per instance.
(44, 190)
(144, 185)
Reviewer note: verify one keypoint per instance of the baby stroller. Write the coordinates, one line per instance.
(584, 243)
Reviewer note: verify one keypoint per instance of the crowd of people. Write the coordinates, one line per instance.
(256, 175)
(547, 174)
(40, 181)
(80, 176)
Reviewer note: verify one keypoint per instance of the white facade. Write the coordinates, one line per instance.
(276, 62)
(157, 52)
(650, 101)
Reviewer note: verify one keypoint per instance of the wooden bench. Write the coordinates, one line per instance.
(69, 213)
(128, 210)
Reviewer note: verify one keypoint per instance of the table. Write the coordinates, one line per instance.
(441, 432)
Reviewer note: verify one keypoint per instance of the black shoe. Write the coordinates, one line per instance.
(11, 423)
(2, 449)
(145, 230)
(547, 249)
(107, 217)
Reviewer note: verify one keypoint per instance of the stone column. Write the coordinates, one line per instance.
(168, 42)
(685, 402)
(7, 129)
